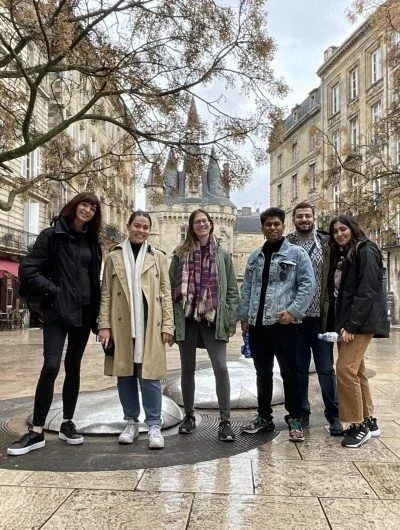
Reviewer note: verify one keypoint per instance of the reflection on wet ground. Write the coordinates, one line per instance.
(278, 484)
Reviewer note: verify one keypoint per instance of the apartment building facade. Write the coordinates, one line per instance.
(296, 160)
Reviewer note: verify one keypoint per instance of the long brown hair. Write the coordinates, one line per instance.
(69, 210)
(191, 239)
(356, 235)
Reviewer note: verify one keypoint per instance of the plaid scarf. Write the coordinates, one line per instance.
(197, 283)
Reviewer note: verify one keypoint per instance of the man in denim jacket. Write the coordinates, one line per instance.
(277, 289)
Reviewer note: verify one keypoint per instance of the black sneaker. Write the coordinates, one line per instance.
(356, 435)
(225, 433)
(258, 424)
(69, 434)
(372, 425)
(27, 443)
(187, 425)
(335, 427)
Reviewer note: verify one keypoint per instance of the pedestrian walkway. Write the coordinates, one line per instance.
(278, 484)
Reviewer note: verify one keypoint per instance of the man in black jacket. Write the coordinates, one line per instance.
(315, 243)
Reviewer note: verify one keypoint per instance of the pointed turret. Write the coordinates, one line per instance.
(215, 181)
(193, 120)
(170, 174)
(154, 187)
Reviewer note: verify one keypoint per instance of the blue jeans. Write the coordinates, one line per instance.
(323, 359)
(129, 397)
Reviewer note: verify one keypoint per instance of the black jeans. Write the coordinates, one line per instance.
(324, 365)
(54, 336)
(267, 342)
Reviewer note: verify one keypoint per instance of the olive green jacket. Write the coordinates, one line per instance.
(228, 298)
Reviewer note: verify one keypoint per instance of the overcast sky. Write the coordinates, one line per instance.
(303, 29)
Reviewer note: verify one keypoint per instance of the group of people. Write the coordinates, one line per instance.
(294, 288)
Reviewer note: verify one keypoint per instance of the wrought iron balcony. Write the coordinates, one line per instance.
(14, 241)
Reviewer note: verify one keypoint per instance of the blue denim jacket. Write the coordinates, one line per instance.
(291, 283)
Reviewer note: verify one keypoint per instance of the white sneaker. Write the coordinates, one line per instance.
(130, 433)
(156, 440)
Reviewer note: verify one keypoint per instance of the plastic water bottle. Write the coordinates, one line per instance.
(329, 336)
(245, 349)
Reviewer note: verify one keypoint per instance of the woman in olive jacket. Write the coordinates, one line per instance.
(206, 302)
(62, 272)
(358, 312)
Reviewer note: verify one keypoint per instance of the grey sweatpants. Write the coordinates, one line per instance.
(216, 350)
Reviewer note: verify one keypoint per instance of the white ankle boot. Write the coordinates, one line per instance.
(130, 433)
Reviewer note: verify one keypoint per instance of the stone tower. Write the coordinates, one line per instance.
(175, 191)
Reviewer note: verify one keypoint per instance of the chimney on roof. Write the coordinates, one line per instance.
(246, 210)
(329, 51)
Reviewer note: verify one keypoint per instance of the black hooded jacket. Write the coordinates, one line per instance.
(360, 305)
(51, 270)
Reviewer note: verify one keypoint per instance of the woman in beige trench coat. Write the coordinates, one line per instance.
(136, 313)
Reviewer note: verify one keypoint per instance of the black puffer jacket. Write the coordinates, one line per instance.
(52, 270)
(360, 305)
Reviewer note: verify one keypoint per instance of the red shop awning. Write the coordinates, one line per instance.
(9, 266)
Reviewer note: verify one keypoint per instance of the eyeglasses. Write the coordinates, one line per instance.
(201, 222)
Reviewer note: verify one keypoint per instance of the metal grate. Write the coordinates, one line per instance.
(102, 453)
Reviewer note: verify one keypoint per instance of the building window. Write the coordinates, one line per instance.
(353, 79)
(335, 99)
(182, 234)
(82, 143)
(30, 164)
(93, 147)
(294, 153)
(336, 198)
(397, 154)
(376, 65)
(335, 139)
(313, 139)
(376, 114)
(294, 186)
(376, 190)
(397, 221)
(280, 164)
(312, 177)
(279, 195)
(193, 185)
(354, 132)
(31, 220)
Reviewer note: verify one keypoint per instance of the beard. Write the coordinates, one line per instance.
(305, 230)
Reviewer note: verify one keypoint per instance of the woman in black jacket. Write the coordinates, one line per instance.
(62, 271)
(359, 313)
